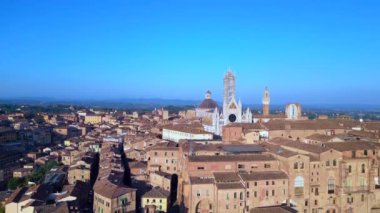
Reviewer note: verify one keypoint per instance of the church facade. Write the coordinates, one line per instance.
(232, 111)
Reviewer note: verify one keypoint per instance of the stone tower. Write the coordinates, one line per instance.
(266, 102)
(229, 89)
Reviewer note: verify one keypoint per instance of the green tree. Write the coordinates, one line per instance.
(38, 175)
(14, 183)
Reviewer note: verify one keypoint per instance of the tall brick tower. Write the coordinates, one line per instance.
(266, 101)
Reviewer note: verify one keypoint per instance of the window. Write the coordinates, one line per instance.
(327, 163)
(241, 195)
(273, 192)
(201, 168)
(334, 162)
(362, 197)
(247, 184)
(331, 185)
(348, 183)
(198, 193)
(316, 191)
(295, 165)
(316, 202)
(227, 207)
(235, 195)
(273, 182)
(298, 185)
(362, 182)
(306, 202)
(350, 200)
(255, 183)
(353, 154)
(363, 168)
(267, 183)
(267, 166)
(247, 194)
(255, 194)
(228, 196)
(349, 169)
(266, 193)
(241, 166)
(365, 152)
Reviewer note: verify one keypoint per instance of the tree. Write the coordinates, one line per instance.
(15, 183)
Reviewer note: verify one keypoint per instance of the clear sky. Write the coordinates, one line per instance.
(325, 51)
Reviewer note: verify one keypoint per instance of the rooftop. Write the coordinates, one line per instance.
(351, 146)
(270, 175)
(315, 149)
(157, 192)
(226, 158)
(187, 129)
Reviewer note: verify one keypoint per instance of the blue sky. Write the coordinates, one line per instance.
(307, 51)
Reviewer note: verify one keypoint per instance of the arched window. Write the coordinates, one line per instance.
(363, 168)
(298, 185)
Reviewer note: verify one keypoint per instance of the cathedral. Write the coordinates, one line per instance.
(232, 112)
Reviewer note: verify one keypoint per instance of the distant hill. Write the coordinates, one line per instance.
(157, 103)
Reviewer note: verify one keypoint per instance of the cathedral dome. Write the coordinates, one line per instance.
(208, 103)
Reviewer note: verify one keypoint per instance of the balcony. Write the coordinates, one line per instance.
(348, 190)
(298, 191)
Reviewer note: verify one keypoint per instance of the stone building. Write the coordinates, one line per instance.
(110, 198)
(163, 157)
(181, 132)
(328, 177)
(156, 198)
